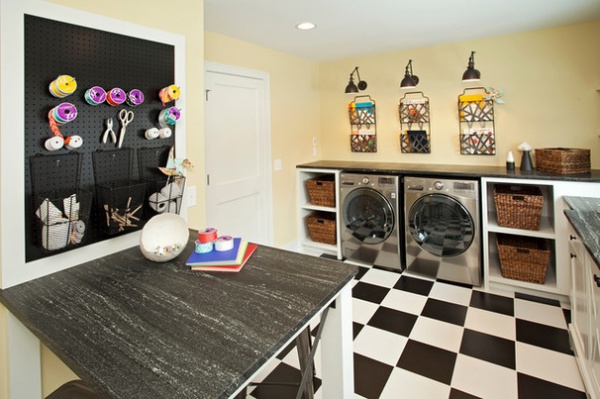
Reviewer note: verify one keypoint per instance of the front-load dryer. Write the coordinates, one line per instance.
(370, 231)
(443, 238)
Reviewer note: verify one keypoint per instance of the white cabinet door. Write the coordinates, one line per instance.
(594, 362)
(580, 293)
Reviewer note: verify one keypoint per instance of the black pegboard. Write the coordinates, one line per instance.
(94, 58)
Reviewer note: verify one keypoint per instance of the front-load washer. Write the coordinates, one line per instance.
(442, 229)
(370, 230)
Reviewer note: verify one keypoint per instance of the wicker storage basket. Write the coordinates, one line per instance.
(563, 161)
(519, 207)
(523, 258)
(321, 227)
(321, 190)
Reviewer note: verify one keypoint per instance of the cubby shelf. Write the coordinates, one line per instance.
(553, 228)
(306, 208)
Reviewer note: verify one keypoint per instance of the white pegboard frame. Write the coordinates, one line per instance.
(14, 268)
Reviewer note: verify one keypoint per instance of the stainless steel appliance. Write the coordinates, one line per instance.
(370, 231)
(442, 229)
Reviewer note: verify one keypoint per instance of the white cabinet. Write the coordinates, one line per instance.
(553, 227)
(585, 313)
(306, 208)
(547, 231)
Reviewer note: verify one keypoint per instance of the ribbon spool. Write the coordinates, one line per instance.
(224, 243)
(169, 93)
(95, 95)
(151, 133)
(63, 86)
(207, 235)
(63, 113)
(203, 247)
(73, 142)
(169, 116)
(135, 97)
(54, 143)
(116, 97)
(165, 133)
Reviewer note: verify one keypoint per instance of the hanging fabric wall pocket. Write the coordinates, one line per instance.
(363, 137)
(414, 115)
(476, 122)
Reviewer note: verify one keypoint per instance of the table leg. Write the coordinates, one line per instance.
(336, 349)
(24, 363)
(304, 347)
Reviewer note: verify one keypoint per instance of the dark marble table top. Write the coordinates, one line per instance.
(137, 329)
(464, 171)
(586, 221)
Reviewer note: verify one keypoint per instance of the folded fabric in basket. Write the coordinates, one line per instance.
(48, 212)
(55, 236)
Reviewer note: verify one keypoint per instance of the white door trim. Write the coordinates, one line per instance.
(265, 78)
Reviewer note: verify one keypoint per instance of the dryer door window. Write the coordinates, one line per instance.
(441, 225)
(369, 215)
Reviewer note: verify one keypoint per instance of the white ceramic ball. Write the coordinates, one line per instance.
(164, 237)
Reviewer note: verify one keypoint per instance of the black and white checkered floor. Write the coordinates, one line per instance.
(417, 338)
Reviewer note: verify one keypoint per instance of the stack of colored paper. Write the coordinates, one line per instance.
(223, 261)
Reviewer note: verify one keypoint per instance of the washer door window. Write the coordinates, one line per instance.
(369, 215)
(441, 225)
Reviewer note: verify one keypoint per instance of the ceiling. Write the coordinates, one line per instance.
(350, 28)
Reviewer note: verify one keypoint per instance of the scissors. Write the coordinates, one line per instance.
(109, 130)
(125, 117)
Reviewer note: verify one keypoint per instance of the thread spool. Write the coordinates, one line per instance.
(77, 232)
(168, 116)
(169, 93)
(95, 95)
(224, 243)
(63, 86)
(207, 235)
(135, 97)
(116, 96)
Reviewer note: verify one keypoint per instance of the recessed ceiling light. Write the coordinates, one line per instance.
(306, 26)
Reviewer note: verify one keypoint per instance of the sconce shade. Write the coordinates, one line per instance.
(351, 87)
(471, 74)
(409, 81)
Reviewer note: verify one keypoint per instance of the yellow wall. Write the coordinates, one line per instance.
(155, 15)
(294, 116)
(549, 77)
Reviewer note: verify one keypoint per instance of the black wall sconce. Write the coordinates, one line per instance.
(409, 80)
(352, 88)
(471, 74)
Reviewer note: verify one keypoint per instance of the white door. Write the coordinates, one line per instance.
(237, 149)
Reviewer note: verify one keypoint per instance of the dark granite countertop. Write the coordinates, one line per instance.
(467, 171)
(586, 221)
(137, 329)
